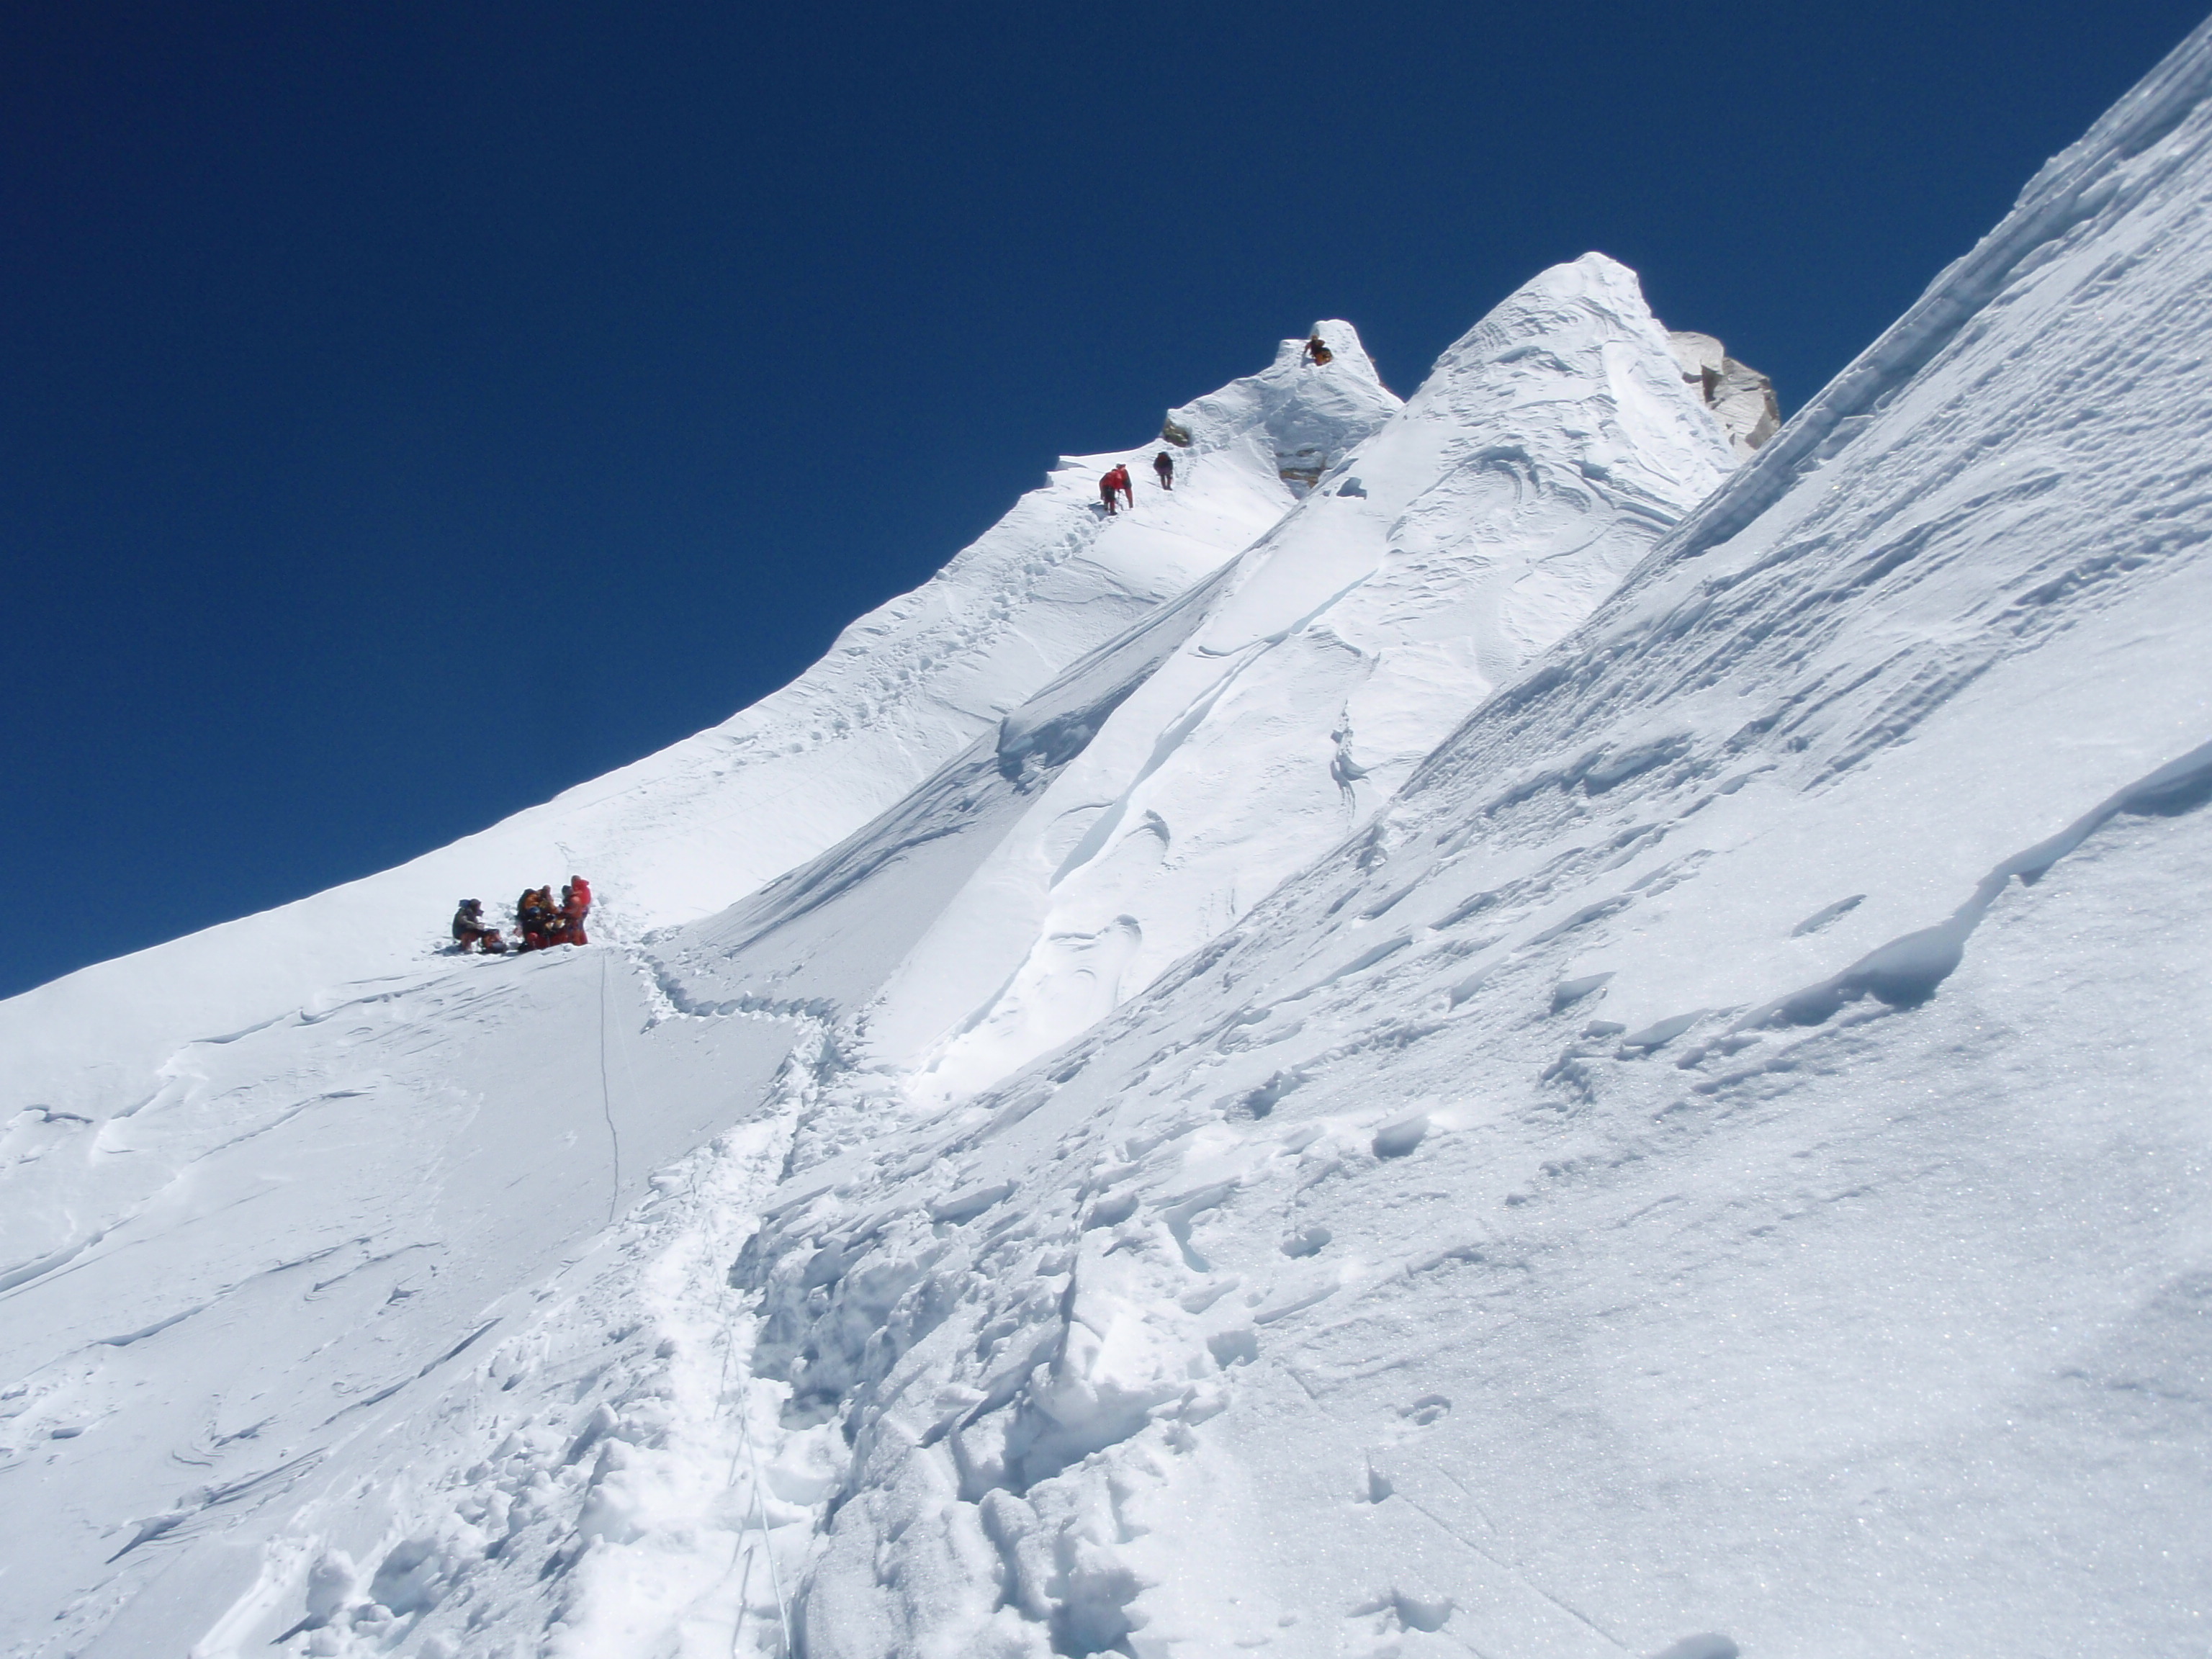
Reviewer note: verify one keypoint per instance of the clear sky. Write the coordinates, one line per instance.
(409, 410)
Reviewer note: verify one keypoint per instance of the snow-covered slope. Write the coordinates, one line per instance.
(684, 832)
(1546, 452)
(310, 1136)
(447, 1134)
(1722, 1160)
(1715, 1156)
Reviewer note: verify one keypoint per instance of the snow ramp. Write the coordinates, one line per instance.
(1717, 1163)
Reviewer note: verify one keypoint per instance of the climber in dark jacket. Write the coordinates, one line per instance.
(1163, 465)
(533, 917)
(469, 929)
(1317, 351)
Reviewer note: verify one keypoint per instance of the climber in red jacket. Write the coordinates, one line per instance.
(575, 905)
(1116, 483)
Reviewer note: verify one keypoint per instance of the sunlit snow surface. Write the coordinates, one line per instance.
(264, 1189)
(681, 833)
(1545, 454)
(1717, 1158)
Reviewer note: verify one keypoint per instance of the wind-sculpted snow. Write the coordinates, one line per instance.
(1706, 1154)
(682, 833)
(1719, 1161)
(1545, 454)
(1293, 419)
(825, 936)
(314, 1136)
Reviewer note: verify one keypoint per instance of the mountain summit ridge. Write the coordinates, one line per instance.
(685, 831)
(1568, 1048)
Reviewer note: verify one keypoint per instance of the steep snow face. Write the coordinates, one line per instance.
(262, 1191)
(1717, 1157)
(1548, 451)
(684, 832)
(1720, 1161)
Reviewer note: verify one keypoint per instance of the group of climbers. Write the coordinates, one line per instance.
(542, 923)
(1115, 491)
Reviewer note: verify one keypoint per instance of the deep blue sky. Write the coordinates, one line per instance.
(408, 410)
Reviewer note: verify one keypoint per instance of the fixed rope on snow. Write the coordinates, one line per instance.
(756, 1509)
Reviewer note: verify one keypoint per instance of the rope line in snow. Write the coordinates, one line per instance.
(757, 1510)
(606, 1100)
(768, 1544)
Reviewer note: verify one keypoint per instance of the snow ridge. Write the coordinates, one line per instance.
(1685, 1137)
(2094, 183)
(357, 1159)
(682, 833)
(1542, 456)
(1484, 1244)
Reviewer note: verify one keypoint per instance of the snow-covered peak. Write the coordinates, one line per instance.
(1550, 447)
(1705, 1147)
(1300, 416)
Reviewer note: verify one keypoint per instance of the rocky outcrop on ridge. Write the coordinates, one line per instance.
(1740, 398)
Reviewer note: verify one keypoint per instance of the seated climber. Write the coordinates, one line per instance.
(533, 912)
(469, 929)
(1317, 351)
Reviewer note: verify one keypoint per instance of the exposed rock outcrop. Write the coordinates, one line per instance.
(1740, 398)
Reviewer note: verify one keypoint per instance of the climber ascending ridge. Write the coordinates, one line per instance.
(1317, 352)
(1163, 465)
(1117, 481)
